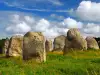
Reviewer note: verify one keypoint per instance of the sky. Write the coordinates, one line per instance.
(51, 17)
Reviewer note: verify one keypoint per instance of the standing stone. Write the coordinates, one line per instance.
(34, 46)
(74, 41)
(59, 43)
(92, 43)
(6, 44)
(15, 46)
(48, 45)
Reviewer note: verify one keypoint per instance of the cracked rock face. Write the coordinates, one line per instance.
(34, 46)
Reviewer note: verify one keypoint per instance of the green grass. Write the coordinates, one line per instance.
(74, 63)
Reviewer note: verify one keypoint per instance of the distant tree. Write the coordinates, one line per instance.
(98, 40)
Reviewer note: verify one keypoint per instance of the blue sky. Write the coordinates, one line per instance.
(52, 6)
(52, 17)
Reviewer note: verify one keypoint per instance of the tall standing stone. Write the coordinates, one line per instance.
(48, 45)
(59, 43)
(6, 45)
(74, 41)
(34, 46)
(15, 46)
(92, 43)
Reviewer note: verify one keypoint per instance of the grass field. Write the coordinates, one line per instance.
(74, 63)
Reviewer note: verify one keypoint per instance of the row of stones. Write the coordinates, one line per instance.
(74, 40)
(33, 45)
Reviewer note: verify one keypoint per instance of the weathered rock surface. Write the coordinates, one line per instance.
(59, 43)
(92, 43)
(48, 45)
(34, 46)
(74, 41)
(6, 44)
(15, 46)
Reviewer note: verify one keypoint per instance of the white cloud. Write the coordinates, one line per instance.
(19, 28)
(54, 32)
(71, 23)
(17, 25)
(49, 29)
(29, 19)
(42, 25)
(15, 18)
(20, 23)
(22, 3)
(92, 28)
(30, 4)
(89, 11)
(33, 5)
(43, 10)
(55, 2)
(54, 16)
(50, 33)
